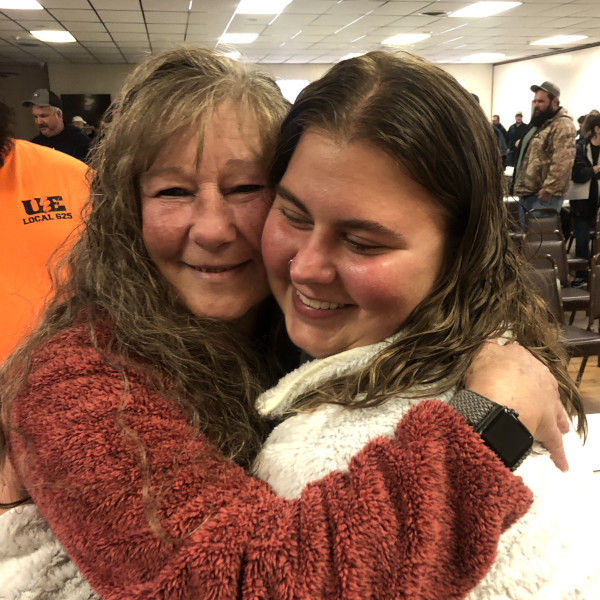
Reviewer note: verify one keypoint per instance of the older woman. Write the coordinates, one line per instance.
(122, 410)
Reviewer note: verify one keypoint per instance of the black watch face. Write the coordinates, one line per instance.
(507, 437)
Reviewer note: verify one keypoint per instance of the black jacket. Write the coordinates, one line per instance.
(516, 133)
(71, 140)
(583, 171)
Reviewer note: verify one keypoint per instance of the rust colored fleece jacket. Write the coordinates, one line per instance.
(417, 516)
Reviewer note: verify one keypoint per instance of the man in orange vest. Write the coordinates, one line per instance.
(43, 192)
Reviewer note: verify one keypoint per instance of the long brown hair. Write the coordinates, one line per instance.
(430, 125)
(205, 366)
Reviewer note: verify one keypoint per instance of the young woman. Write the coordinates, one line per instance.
(388, 250)
(122, 412)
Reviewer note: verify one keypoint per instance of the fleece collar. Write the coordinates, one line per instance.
(276, 401)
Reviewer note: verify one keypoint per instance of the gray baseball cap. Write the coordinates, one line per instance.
(43, 97)
(548, 87)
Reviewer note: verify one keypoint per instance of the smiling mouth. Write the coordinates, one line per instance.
(216, 269)
(318, 303)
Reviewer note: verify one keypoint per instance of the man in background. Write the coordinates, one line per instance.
(42, 192)
(546, 153)
(515, 134)
(47, 112)
(78, 122)
(496, 123)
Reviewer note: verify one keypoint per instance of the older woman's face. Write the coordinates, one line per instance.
(202, 221)
(367, 244)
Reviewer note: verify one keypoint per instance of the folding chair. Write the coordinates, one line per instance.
(573, 298)
(586, 342)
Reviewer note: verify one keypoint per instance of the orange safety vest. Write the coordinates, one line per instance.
(42, 192)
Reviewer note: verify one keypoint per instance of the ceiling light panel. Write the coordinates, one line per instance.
(53, 36)
(483, 9)
(559, 40)
(20, 5)
(237, 38)
(261, 7)
(405, 39)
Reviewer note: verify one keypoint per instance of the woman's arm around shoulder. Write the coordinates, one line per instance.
(147, 508)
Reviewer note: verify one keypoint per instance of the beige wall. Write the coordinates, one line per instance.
(16, 88)
(88, 79)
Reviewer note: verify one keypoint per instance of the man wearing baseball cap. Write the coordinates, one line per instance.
(47, 113)
(515, 134)
(546, 153)
(78, 121)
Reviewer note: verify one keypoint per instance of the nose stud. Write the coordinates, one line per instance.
(290, 263)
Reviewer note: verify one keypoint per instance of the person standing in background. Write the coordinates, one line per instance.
(496, 123)
(546, 154)
(586, 169)
(46, 109)
(580, 121)
(43, 193)
(515, 134)
(80, 123)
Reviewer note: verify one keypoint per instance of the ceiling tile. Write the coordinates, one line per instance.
(77, 27)
(166, 6)
(126, 27)
(362, 25)
(74, 15)
(121, 16)
(166, 17)
(93, 36)
(166, 28)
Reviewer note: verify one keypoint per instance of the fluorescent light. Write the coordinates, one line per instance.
(290, 88)
(351, 55)
(234, 54)
(558, 40)
(54, 36)
(483, 9)
(405, 39)
(483, 57)
(237, 38)
(261, 7)
(20, 5)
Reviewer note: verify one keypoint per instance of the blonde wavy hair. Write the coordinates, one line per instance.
(430, 125)
(108, 278)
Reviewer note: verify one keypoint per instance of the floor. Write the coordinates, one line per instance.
(590, 384)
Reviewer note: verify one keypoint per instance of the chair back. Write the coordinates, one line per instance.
(594, 287)
(541, 274)
(596, 234)
(552, 244)
(543, 221)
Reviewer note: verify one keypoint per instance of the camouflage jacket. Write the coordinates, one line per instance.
(548, 158)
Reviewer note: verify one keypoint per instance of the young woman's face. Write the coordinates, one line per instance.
(367, 245)
(202, 222)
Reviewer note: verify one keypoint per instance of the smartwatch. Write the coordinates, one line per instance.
(498, 426)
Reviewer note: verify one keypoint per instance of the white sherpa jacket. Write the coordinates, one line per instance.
(33, 565)
(551, 553)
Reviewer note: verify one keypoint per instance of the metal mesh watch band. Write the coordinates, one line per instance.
(472, 406)
(499, 426)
